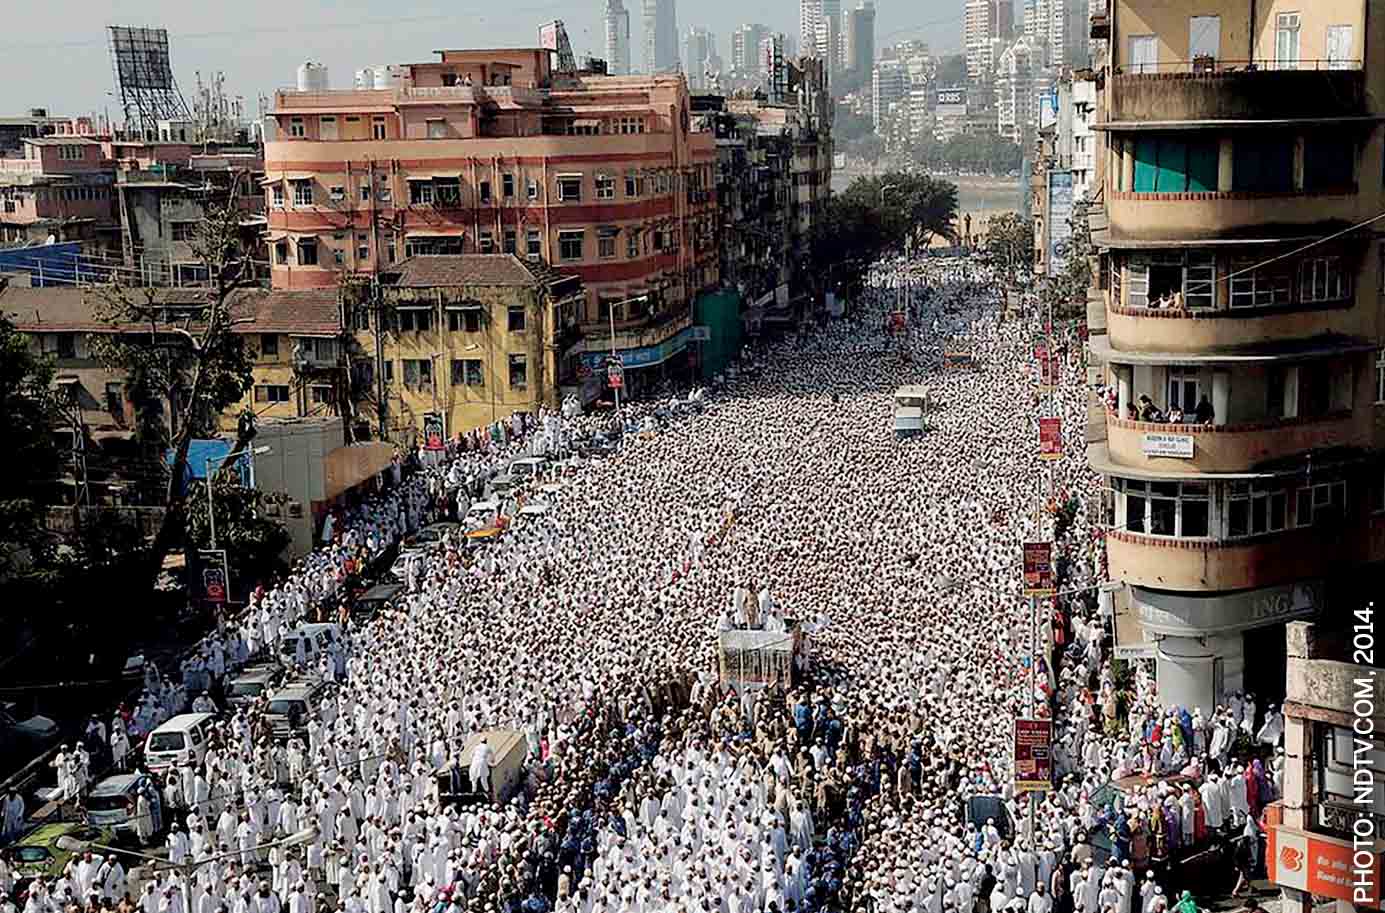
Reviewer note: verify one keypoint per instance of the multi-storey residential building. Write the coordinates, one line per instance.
(660, 36)
(1074, 144)
(745, 49)
(491, 152)
(1241, 279)
(889, 83)
(858, 38)
(617, 21)
(809, 14)
(978, 27)
(59, 187)
(474, 338)
(1019, 79)
(700, 60)
(1313, 824)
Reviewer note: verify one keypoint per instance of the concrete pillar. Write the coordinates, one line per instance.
(1184, 673)
(1122, 389)
(1298, 756)
(1298, 163)
(1221, 395)
(1225, 164)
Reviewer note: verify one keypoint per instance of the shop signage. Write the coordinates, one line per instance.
(1033, 756)
(216, 576)
(434, 436)
(1159, 444)
(1323, 866)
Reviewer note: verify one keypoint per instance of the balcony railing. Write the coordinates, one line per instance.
(1212, 89)
(1207, 66)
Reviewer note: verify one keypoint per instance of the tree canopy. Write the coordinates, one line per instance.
(29, 413)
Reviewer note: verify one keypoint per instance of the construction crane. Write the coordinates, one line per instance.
(553, 36)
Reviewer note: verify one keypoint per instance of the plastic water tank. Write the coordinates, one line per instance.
(312, 77)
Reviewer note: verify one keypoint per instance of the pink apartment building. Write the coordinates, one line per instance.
(490, 151)
(58, 186)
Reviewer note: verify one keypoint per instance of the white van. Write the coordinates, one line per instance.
(482, 514)
(183, 738)
(306, 644)
(528, 467)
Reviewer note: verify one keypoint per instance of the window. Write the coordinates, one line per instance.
(507, 186)
(1171, 279)
(484, 191)
(1171, 509)
(303, 193)
(633, 184)
(377, 127)
(365, 193)
(508, 241)
(632, 243)
(278, 192)
(1286, 41)
(1184, 390)
(515, 320)
(1204, 38)
(437, 128)
(389, 371)
(532, 189)
(1380, 376)
(1323, 279)
(414, 320)
(321, 394)
(605, 187)
(1329, 161)
(467, 371)
(269, 345)
(362, 250)
(432, 246)
(336, 194)
(418, 372)
(307, 252)
(1265, 287)
(533, 245)
(1263, 163)
(1340, 46)
(627, 125)
(519, 372)
(420, 193)
(115, 398)
(1320, 503)
(1255, 508)
(570, 245)
(67, 345)
(1173, 165)
(281, 252)
(569, 188)
(606, 242)
(296, 128)
(468, 321)
(447, 192)
(272, 393)
(184, 231)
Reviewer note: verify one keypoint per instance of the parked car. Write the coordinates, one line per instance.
(44, 851)
(111, 803)
(433, 534)
(252, 682)
(293, 706)
(182, 738)
(21, 740)
(372, 601)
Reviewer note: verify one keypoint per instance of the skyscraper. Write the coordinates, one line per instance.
(617, 38)
(978, 25)
(1046, 28)
(858, 38)
(660, 36)
(809, 12)
(699, 57)
(888, 81)
(745, 48)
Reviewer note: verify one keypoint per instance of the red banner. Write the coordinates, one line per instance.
(1033, 756)
(1050, 438)
(1038, 569)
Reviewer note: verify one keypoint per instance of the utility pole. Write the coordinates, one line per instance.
(379, 309)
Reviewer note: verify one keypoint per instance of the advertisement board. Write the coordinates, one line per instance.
(434, 436)
(1322, 865)
(1038, 569)
(215, 578)
(1050, 438)
(1059, 221)
(1033, 756)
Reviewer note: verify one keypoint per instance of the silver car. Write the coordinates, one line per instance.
(111, 803)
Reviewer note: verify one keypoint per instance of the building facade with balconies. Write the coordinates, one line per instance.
(492, 152)
(58, 187)
(1241, 276)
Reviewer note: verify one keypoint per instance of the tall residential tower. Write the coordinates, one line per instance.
(617, 38)
(660, 36)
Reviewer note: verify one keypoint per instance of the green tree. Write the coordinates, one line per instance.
(29, 413)
(253, 542)
(1066, 293)
(186, 363)
(1010, 242)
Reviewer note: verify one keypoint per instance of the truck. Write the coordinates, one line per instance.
(911, 404)
(508, 751)
(758, 658)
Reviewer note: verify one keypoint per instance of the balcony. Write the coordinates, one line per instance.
(1231, 448)
(1190, 565)
(1208, 215)
(1150, 330)
(1207, 91)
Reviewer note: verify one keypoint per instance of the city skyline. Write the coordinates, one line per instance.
(260, 52)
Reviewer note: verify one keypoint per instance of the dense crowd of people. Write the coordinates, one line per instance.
(592, 629)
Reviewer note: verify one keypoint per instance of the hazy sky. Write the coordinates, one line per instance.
(53, 52)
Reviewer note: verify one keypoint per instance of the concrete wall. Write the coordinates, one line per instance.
(1240, 95)
(1169, 20)
(296, 466)
(1231, 449)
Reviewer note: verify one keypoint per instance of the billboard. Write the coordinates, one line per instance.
(1323, 865)
(141, 57)
(1050, 438)
(216, 576)
(1059, 220)
(1033, 756)
(548, 36)
(952, 96)
(434, 436)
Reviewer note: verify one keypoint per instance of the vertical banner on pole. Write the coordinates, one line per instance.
(1033, 756)
(1050, 438)
(1038, 569)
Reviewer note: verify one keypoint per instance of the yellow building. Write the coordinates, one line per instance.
(1240, 282)
(474, 338)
